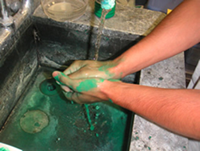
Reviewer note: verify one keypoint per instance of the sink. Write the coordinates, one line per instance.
(35, 115)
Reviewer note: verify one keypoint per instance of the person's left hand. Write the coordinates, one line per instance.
(81, 90)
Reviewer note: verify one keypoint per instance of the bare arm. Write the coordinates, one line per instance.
(175, 110)
(177, 32)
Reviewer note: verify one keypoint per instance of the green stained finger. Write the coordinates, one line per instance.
(57, 78)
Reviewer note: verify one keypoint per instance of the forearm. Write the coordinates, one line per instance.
(177, 32)
(176, 110)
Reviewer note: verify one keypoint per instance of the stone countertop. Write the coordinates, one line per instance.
(127, 20)
(169, 73)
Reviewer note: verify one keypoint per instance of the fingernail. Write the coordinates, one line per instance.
(58, 80)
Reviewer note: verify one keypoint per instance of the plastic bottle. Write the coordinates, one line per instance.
(98, 10)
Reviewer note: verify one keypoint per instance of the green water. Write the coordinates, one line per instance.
(58, 124)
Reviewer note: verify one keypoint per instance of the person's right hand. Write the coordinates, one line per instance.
(86, 90)
(93, 69)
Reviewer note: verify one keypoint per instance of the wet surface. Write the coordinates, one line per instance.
(34, 121)
(50, 87)
(42, 121)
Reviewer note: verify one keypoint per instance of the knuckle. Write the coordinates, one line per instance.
(62, 79)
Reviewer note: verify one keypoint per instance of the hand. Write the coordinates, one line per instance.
(81, 90)
(92, 69)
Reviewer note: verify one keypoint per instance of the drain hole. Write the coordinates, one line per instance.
(50, 87)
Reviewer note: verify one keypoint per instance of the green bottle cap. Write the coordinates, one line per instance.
(98, 10)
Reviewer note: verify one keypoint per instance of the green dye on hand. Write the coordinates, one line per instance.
(88, 85)
(105, 69)
(57, 78)
(113, 80)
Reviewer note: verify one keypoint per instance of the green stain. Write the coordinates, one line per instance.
(86, 32)
(87, 85)
(113, 80)
(97, 135)
(105, 69)
(111, 130)
(37, 124)
(91, 127)
(137, 138)
(57, 78)
(106, 38)
(97, 107)
(149, 148)
(110, 101)
(4, 149)
(88, 117)
(161, 78)
(184, 147)
(149, 137)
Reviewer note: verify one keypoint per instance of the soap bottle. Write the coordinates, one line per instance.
(98, 10)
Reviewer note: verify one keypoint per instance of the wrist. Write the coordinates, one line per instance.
(108, 88)
(117, 69)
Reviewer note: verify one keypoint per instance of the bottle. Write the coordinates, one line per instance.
(98, 10)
